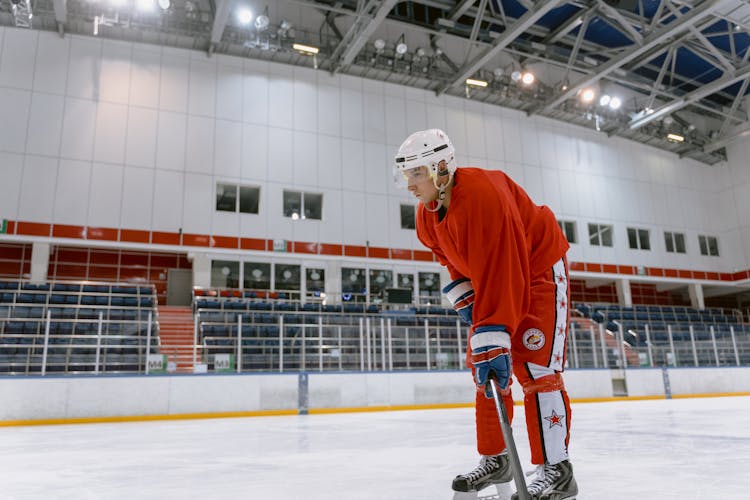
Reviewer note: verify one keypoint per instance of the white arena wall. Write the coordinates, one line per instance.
(101, 133)
(62, 398)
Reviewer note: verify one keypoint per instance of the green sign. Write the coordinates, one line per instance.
(4, 227)
(224, 362)
(279, 245)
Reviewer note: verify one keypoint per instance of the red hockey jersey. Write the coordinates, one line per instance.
(497, 237)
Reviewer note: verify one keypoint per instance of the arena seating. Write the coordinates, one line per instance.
(75, 310)
(708, 330)
(263, 319)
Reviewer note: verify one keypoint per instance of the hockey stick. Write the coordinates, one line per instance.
(510, 444)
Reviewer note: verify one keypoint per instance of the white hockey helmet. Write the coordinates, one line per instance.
(426, 148)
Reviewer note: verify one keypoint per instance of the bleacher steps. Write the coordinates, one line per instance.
(176, 330)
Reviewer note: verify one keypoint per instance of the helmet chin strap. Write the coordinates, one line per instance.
(441, 191)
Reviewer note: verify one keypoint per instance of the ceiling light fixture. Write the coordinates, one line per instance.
(475, 82)
(244, 16)
(401, 46)
(587, 95)
(305, 49)
(675, 137)
(527, 78)
(615, 103)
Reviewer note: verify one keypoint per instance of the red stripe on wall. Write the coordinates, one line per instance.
(196, 240)
(133, 236)
(379, 253)
(355, 251)
(33, 229)
(160, 238)
(252, 244)
(224, 242)
(401, 254)
(423, 256)
(329, 249)
(66, 231)
(305, 247)
(101, 233)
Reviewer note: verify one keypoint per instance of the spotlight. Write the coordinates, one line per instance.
(379, 44)
(587, 95)
(401, 46)
(615, 103)
(675, 137)
(527, 78)
(165, 4)
(306, 49)
(244, 16)
(604, 99)
(261, 22)
(475, 82)
(515, 76)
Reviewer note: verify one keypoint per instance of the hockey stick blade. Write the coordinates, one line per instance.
(510, 444)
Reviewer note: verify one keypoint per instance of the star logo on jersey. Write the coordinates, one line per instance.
(558, 358)
(561, 279)
(560, 330)
(555, 419)
(563, 304)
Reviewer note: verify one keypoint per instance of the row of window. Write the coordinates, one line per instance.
(356, 283)
(246, 199)
(304, 205)
(639, 238)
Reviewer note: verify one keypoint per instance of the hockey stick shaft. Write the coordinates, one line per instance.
(510, 444)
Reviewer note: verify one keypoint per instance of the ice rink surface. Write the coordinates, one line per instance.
(662, 449)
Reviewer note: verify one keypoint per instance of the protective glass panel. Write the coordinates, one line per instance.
(257, 276)
(287, 277)
(225, 274)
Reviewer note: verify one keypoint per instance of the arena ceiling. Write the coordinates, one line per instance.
(679, 70)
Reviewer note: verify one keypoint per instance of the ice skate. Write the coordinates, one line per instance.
(553, 482)
(491, 470)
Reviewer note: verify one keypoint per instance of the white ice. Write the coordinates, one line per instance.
(663, 449)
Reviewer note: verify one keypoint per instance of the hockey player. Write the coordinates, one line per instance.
(506, 259)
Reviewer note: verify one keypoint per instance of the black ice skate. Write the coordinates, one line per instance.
(553, 482)
(491, 470)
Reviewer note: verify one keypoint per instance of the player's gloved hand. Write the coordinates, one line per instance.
(490, 355)
(460, 293)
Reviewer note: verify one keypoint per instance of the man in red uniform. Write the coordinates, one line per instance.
(506, 258)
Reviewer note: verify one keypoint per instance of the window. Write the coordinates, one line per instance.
(379, 281)
(709, 245)
(408, 217)
(638, 239)
(569, 229)
(316, 281)
(429, 288)
(225, 274)
(287, 277)
(233, 198)
(675, 242)
(299, 205)
(257, 276)
(353, 284)
(600, 235)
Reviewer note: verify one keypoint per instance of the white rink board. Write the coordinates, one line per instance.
(33, 398)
